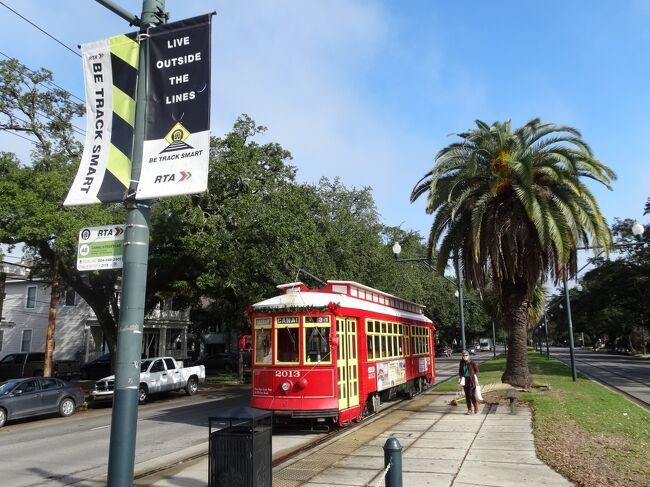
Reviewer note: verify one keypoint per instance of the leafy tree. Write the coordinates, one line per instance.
(513, 207)
(31, 195)
(613, 301)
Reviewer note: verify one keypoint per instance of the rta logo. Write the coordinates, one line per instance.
(165, 178)
(85, 234)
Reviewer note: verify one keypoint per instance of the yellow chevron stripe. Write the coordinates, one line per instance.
(124, 106)
(119, 165)
(125, 48)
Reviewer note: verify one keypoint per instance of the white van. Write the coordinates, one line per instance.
(485, 344)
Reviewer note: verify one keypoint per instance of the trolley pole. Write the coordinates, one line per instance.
(121, 456)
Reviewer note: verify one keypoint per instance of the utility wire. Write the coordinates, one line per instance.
(50, 82)
(9, 131)
(42, 30)
(75, 129)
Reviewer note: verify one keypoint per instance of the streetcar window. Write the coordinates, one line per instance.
(377, 347)
(288, 347)
(317, 339)
(263, 345)
(369, 348)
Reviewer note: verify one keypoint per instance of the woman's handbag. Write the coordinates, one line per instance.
(461, 381)
(477, 393)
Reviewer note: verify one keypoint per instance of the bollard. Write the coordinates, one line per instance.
(393, 462)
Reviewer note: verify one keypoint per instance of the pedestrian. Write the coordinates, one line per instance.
(467, 374)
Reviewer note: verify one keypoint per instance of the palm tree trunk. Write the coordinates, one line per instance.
(516, 301)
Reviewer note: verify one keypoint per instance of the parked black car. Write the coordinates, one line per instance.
(17, 365)
(98, 368)
(224, 361)
(34, 396)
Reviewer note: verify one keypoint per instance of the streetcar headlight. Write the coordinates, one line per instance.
(286, 386)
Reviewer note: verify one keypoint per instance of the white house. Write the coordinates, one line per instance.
(78, 336)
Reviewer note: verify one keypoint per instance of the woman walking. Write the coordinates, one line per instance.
(467, 373)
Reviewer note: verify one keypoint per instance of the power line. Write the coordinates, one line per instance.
(34, 72)
(9, 131)
(39, 28)
(75, 129)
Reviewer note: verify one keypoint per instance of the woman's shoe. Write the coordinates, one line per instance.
(469, 411)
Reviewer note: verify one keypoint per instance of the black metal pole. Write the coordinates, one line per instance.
(548, 353)
(460, 303)
(494, 341)
(571, 345)
(124, 418)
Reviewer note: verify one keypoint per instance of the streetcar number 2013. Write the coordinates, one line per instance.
(287, 373)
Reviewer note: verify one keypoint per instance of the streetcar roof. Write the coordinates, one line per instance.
(315, 299)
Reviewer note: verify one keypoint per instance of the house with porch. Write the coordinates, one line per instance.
(25, 306)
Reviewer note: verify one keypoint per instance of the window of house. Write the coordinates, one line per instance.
(31, 297)
(70, 297)
(26, 342)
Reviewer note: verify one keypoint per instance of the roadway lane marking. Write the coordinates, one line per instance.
(100, 427)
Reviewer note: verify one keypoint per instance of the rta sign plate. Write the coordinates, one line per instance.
(100, 248)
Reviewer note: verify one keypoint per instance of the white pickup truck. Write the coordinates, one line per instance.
(157, 374)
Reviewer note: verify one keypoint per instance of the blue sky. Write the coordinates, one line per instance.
(370, 91)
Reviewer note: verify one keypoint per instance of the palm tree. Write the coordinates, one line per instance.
(513, 207)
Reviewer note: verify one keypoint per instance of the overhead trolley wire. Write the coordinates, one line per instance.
(39, 28)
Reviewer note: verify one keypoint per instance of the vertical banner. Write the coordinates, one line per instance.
(110, 74)
(177, 131)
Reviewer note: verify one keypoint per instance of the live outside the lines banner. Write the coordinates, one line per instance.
(177, 131)
(110, 73)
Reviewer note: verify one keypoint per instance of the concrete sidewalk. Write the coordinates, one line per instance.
(441, 447)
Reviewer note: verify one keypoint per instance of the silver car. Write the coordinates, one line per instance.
(34, 396)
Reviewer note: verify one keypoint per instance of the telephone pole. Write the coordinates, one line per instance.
(121, 457)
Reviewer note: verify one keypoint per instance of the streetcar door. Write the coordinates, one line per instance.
(347, 363)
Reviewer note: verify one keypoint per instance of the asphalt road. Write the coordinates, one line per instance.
(63, 451)
(629, 375)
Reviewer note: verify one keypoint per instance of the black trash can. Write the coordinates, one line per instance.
(240, 448)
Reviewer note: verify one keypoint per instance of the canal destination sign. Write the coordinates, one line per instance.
(100, 248)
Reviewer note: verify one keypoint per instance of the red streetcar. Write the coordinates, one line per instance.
(333, 354)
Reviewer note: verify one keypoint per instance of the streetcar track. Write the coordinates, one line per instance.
(613, 373)
(339, 431)
(611, 386)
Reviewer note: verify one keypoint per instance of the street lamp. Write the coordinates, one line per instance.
(637, 231)
(397, 249)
